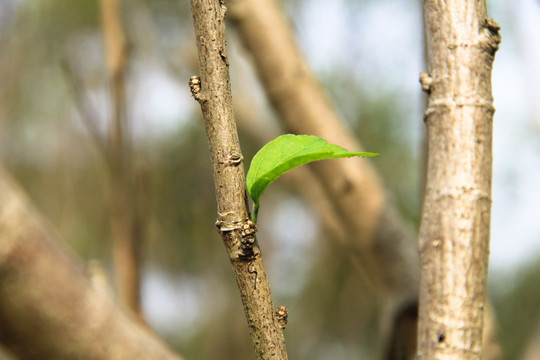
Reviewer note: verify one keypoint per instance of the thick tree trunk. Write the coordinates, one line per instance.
(454, 234)
(213, 92)
(49, 307)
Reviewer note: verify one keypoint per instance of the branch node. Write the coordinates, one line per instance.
(492, 36)
(245, 244)
(426, 80)
(195, 87)
(248, 247)
(447, 104)
(249, 228)
(282, 313)
(234, 158)
(223, 8)
(226, 222)
(492, 25)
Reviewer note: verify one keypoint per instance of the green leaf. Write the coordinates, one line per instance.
(285, 153)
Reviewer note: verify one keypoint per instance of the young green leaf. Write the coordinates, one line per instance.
(285, 153)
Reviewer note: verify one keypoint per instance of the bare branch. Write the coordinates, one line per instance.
(126, 225)
(454, 234)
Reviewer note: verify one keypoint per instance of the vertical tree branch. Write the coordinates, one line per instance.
(212, 90)
(454, 234)
(125, 223)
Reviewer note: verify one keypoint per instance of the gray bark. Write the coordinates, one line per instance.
(454, 233)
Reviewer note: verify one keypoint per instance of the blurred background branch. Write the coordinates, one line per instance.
(375, 232)
(51, 307)
(126, 186)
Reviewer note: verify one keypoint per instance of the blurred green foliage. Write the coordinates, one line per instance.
(517, 308)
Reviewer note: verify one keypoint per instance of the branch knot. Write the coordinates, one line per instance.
(426, 80)
(234, 158)
(242, 237)
(492, 36)
(226, 222)
(223, 7)
(247, 246)
(195, 87)
(282, 313)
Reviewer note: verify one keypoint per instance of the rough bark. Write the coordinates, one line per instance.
(212, 90)
(454, 233)
(50, 308)
(126, 225)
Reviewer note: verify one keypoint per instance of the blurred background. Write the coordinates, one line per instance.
(368, 54)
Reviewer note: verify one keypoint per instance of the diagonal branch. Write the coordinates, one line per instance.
(212, 90)
(49, 306)
(87, 111)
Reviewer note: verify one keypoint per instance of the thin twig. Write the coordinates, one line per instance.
(125, 223)
(86, 109)
(212, 90)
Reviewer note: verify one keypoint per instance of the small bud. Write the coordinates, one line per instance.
(426, 82)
